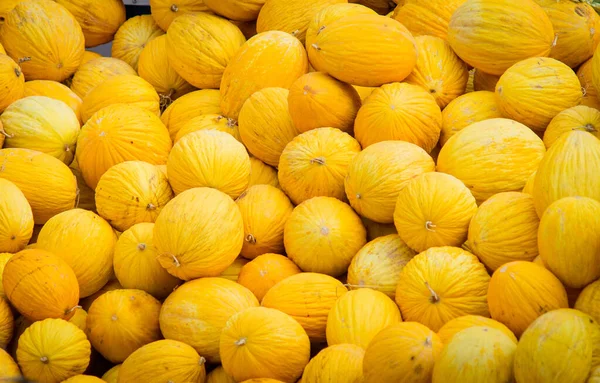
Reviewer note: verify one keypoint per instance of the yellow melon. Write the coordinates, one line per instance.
(198, 310)
(121, 321)
(132, 192)
(199, 233)
(322, 235)
(265, 125)
(8, 367)
(218, 375)
(4, 257)
(132, 37)
(439, 70)
(12, 81)
(6, 323)
(233, 271)
(373, 189)
(44, 38)
(209, 158)
(426, 17)
(46, 182)
(239, 10)
(476, 354)
(43, 124)
(492, 156)
(88, 56)
(308, 298)
(404, 352)
(590, 93)
(75, 232)
(484, 81)
(56, 91)
(337, 363)
(587, 301)
(209, 121)
(456, 325)
(466, 110)
(265, 211)
(96, 71)
(200, 46)
(264, 272)
(315, 163)
(269, 59)
(112, 375)
(165, 11)
(262, 174)
(16, 218)
(480, 33)
(535, 90)
(579, 117)
(434, 209)
(188, 106)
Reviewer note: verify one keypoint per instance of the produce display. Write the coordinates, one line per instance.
(300, 191)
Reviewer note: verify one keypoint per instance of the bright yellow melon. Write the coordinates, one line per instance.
(120, 133)
(476, 354)
(265, 125)
(456, 325)
(165, 11)
(322, 235)
(197, 312)
(308, 298)
(12, 81)
(317, 100)
(484, 81)
(16, 218)
(521, 291)
(439, 70)
(492, 156)
(265, 211)
(262, 174)
(210, 121)
(399, 111)
(191, 105)
(376, 229)
(209, 158)
(426, 17)
(200, 46)
(96, 71)
(535, 90)
(233, 271)
(88, 56)
(132, 192)
(579, 117)
(56, 91)
(466, 110)
(46, 182)
(492, 35)
(569, 240)
(6, 323)
(8, 367)
(404, 352)
(565, 172)
(132, 37)
(590, 93)
(44, 38)
(373, 189)
(73, 233)
(337, 363)
(434, 209)
(43, 124)
(199, 233)
(334, 50)
(269, 59)
(588, 300)
(315, 163)
(264, 272)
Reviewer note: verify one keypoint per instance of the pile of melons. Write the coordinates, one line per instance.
(314, 191)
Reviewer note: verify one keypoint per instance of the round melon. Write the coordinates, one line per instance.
(484, 81)
(56, 91)
(404, 352)
(316, 100)
(330, 14)
(373, 189)
(308, 298)
(165, 11)
(269, 59)
(521, 291)
(315, 163)
(209, 121)
(265, 124)
(96, 71)
(12, 81)
(198, 310)
(209, 158)
(239, 10)
(505, 229)
(4, 257)
(8, 367)
(337, 363)
(132, 37)
(263, 342)
(434, 209)
(456, 325)
(200, 46)
(42, 124)
(132, 192)
(426, 17)
(40, 285)
(264, 272)
(136, 265)
(535, 90)
(590, 93)
(120, 133)
(262, 174)
(112, 375)
(482, 35)
(78, 232)
(322, 235)
(492, 156)
(188, 106)
(233, 271)
(569, 240)
(88, 56)
(121, 321)
(44, 38)
(16, 218)
(399, 111)
(579, 117)
(588, 300)
(199, 233)
(427, 291)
